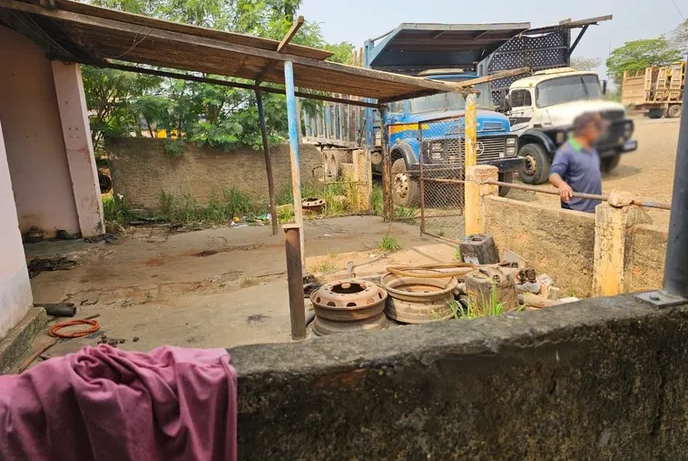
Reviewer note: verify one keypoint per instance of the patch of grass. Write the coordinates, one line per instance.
(340, 199)
(220, 209)
(116, 213)
(403, 214)
(247, 282)
(457, 254)
(491, 307)
(389, 244)
(325, 266)
(285, 215)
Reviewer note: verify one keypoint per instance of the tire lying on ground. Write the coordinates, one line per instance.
(537, 166)
(405, 191)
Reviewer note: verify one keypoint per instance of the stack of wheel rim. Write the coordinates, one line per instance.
(422, 297)
(345, 306)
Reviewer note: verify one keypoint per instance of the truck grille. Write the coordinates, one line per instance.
(453, 150)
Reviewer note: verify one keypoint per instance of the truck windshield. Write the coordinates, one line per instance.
(567, 89)
(450, 101)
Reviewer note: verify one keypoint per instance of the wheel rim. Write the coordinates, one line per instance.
(531, 165)
(401, 187)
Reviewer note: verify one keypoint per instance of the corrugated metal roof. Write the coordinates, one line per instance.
(414, 47)
(79, 32)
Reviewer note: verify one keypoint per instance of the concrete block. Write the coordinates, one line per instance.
(19, 338)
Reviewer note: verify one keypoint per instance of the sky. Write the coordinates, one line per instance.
(358, 20)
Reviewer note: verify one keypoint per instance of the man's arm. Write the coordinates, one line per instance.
(558, 169)
(565, 191)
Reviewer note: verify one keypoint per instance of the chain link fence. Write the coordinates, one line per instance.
(430, 192)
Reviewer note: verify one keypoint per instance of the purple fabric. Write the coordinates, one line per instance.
(107, 404)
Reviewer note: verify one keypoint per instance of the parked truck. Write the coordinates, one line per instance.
(656, 90)
(541, 109)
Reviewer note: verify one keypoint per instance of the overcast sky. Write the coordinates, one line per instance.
(357, 20)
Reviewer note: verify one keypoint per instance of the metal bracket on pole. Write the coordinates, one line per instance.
(661, 299)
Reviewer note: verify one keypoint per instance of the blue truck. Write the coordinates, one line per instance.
(413, 121)
(447, 52)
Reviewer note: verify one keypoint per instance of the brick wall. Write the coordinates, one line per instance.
(141, 170)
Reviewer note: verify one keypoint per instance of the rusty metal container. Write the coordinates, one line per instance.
(351, 305)
(419, 299)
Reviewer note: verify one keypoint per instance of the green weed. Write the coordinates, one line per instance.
(389, 244)
(404, 214)
(325, 266)
(457, 254)
(378, 207)
(173, 148)
(219, 209)
(247, 282)
(491, 307)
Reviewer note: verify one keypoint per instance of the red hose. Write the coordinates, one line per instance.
(55, 329)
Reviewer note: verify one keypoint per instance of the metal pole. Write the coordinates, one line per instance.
(268, 162)
(471, 194)
(297, 309)
(387, 204)
(294, 151)
(676, 266)
(421, 180)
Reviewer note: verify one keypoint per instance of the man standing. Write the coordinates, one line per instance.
(576, 166)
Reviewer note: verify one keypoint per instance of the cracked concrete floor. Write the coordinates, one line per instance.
(212, 288)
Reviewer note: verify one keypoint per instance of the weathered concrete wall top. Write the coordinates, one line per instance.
(141, 170)
(558, 242)
(648, 252)
(599, 379)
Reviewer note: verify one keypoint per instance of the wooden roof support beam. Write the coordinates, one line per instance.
(497, 76)
(227, 83)
(280, 48)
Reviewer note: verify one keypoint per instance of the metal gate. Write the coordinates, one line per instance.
(431, 192)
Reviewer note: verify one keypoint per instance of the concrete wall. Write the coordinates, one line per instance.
(141, 169)
(33, 137)
(648, 254)
(15, 289)
(553, 241)
(599, 379)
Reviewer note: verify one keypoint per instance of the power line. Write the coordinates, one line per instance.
(678, 9)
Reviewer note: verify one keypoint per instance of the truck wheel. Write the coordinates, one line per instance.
(674, 111)
(609, 163)
(655, 113)
(505, 177)
(537, 166)
(405, 191)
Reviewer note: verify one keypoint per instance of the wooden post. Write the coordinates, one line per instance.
(387, 201)
(294, 151)
(474, 211)
(297, 309)
(471, 187)
(268, 162)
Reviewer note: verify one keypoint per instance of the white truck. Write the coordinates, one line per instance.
(541, 110)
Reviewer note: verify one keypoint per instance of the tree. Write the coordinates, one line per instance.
(639, 54)
(678, 39)
(585, 63)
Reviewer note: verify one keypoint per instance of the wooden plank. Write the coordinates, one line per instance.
(281, 48)
(181, 40)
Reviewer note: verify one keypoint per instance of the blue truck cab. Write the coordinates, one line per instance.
(413, 121)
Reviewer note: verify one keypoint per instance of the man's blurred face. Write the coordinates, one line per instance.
(593, 131)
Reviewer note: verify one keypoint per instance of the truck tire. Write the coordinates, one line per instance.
(655, 113)
(405, 191)
(505, 177)
(609, 163)
(674, 111)
(537, 166)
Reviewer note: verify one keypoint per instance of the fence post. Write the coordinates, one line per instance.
(613, 262)
(471, 187)
(476, 189)
(297, 310)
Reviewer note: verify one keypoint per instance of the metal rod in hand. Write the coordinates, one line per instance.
(604, 198)
(297, 309)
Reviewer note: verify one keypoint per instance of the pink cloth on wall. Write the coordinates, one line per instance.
(103, 403)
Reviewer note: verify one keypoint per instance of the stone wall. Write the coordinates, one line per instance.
(599, 379)
(648, 253)
(141, 170)
(557, 242)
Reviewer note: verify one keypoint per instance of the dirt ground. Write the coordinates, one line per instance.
(648, 172)
(211, 288)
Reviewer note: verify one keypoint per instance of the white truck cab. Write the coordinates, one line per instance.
(541, 110)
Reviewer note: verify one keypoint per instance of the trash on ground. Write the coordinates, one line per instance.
(107, 238)
(56, 263)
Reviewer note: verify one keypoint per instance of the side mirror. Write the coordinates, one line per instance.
(505, 105)
(604, 87)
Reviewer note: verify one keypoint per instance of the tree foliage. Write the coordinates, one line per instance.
(585, 63)
(122, 103)
(678, 39)
(639, 54)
